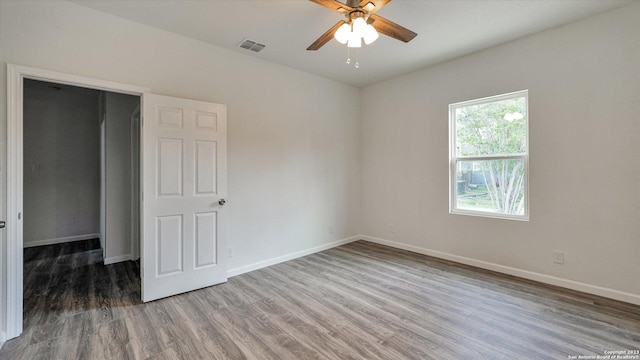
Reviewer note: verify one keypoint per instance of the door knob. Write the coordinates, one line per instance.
(222, 201)
(2, 224)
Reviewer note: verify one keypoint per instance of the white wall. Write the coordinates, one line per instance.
(293, 137)
(584, 101)
(61, 164)
(118, 222)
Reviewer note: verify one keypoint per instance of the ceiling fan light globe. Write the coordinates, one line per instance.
(359, 26)
(370, 34)
(343, 33)
(355, 41)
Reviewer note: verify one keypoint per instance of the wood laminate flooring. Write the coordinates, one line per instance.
(357, 301)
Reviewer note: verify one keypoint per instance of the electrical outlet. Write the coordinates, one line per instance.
(229, 252)
(558, 257)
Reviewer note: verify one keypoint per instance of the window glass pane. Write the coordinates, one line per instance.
(494, 128)
(494, 186)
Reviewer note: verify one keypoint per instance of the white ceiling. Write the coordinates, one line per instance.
(446, 29)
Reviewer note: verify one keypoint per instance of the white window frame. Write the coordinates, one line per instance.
(454, 158)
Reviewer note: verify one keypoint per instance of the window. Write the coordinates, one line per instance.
(489, 157)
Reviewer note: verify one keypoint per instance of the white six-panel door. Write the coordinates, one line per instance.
(184, 150)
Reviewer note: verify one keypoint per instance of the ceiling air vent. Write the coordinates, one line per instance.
(251, 45)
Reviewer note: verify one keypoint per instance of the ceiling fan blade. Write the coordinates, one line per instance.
(326, 37)
(391, 29)
(373, 6)
(334, 5)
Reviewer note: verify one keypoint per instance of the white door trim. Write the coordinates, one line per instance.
(136, 158)
(12, 310)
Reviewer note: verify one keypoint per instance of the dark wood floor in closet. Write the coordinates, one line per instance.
(358, 301)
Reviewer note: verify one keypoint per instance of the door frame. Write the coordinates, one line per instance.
(136, 173)
(13, 257)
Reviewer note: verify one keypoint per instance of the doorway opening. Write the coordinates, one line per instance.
(80, 180)
(81, 166)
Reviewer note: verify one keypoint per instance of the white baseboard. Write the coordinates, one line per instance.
(60, 240)
(264, 263)
(525, 274)
(117, 259)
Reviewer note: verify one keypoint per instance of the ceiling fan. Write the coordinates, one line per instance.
(360, 13)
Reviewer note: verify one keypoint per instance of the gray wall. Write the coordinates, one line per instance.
(118, 109)
(61, 163)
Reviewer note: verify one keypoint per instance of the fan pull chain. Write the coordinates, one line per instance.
(357, 57)
(357, 64)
